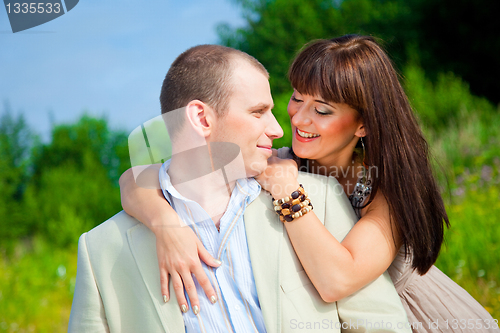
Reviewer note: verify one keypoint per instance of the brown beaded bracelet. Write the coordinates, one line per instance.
(294, 206)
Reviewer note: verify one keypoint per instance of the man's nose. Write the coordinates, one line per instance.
(274, 130)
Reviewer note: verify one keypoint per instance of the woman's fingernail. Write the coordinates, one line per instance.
(165, 298)
(196, 310)
(213, 299)
(218, 262)
(184, 308)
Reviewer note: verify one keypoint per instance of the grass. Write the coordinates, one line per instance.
(36, 287)
(471, 254)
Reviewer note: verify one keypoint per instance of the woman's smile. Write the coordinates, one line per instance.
(306, 135)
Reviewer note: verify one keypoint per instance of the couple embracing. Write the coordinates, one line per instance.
(256, 245)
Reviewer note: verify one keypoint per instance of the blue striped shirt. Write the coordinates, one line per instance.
(237, 308)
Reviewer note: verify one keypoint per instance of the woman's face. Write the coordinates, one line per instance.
(323, 131)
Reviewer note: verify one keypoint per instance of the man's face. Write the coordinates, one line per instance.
(249, 122)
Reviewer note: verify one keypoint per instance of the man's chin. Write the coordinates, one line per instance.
(256, 169)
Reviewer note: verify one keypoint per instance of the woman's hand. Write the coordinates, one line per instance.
(280, 176)
(179, 254)
(179, 250)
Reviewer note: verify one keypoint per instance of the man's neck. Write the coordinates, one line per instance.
(196, 180)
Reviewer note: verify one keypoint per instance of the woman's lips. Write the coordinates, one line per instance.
(305, 136)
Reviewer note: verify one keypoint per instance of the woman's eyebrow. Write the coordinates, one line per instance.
(323, 102)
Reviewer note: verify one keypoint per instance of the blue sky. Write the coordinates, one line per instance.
(103, 57)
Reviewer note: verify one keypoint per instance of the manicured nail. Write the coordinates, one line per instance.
(218, 262)
(184, 308)
(196, 310)
(165, 298)
(213, 299)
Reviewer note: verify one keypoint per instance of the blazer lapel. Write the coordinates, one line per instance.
(143, 246)
(264, 236)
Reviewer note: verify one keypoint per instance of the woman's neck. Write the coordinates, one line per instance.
(347, 171)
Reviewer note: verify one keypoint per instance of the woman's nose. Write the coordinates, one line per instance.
(300, 118)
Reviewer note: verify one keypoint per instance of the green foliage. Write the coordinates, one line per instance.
(70, 185)
(36, 287)
(463, 132)
(277, 30)
(50, 194)
(150, 143)
(281, 114)
(460, 36)
(471, 253)
(89, 139)
(16, 141)
(80, 198)
(449, 35)
(443, 103)
(78, 171)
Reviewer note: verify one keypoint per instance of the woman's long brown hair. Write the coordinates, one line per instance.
(356, 71)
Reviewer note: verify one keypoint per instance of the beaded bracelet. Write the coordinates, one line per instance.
(294, 206)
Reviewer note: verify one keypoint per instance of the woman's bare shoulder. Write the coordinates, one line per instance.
(378, 212)
(285, 152)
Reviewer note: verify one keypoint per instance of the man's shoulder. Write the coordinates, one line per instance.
(112, 233)
(311, 177)
(117, 224)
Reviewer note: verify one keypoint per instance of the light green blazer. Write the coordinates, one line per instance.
(118, 280)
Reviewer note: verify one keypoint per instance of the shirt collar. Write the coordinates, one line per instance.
(249, 187)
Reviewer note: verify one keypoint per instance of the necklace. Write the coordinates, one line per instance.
(361, 192)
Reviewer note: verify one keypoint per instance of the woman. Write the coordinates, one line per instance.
(351, 120)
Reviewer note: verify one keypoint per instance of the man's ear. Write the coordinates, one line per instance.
(201, 117)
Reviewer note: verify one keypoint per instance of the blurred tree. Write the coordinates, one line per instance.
(277, 29)
(462, 36)
(16, 141)
(71, 142)
(74, 185)
(61, 188)
(444, 35)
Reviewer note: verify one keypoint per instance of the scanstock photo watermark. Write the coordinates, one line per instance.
(26, 15)
(363, 324)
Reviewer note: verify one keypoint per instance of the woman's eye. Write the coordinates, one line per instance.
(322, 113)
(295, 99)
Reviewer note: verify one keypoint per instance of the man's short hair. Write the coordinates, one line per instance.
(201, 73)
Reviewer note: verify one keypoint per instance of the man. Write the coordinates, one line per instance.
(261, 285)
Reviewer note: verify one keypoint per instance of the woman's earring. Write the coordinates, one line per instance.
(363, 145)
(363, 187)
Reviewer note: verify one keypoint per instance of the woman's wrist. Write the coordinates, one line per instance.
(284, 189)
(160, 224)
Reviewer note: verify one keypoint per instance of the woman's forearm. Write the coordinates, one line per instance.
(144, 200)
(340, 269)
(336, 270)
